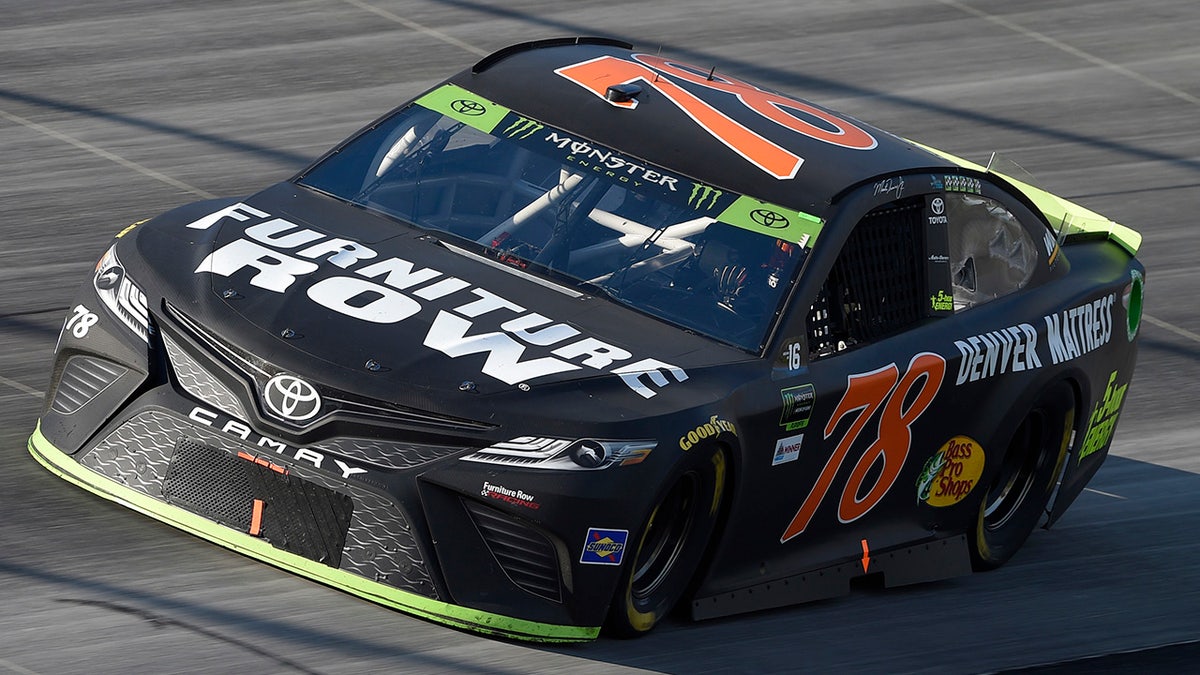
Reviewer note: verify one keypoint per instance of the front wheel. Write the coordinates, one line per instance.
(669, 547)
(1017, 496)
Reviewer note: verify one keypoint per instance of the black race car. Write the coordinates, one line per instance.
(584, 331)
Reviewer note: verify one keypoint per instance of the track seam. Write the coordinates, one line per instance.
(1074, 51)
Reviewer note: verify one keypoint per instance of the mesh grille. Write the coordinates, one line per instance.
(874, 288)
(526, 555)
(380, 544)
(295, 515)
(196, 381)
(82, 380)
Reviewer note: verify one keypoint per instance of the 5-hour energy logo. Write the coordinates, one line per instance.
(1104, 417)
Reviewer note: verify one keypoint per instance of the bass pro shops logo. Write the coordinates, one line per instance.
(291, 398)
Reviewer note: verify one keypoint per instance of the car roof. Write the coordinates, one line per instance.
(524, 78)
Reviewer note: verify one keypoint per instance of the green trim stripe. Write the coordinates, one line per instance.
(751, 214)
(465, 106)
(745, 212)
(1056, 209)
(442, 612)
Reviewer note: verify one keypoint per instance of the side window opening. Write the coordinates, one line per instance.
(915, 258)
(876, 286)
(991, 253)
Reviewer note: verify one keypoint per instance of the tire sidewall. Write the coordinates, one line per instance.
(632, 615)
(993, 546)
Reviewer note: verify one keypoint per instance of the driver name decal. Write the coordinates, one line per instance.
(278, 253)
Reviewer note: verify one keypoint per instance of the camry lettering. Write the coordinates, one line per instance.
(392, 290)
(235, 428)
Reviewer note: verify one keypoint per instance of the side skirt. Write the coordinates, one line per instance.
(931, 561)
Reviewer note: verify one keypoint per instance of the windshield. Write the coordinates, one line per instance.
(592, 219)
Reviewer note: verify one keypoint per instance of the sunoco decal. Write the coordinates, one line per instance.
(950, 474)
(604, 547)
(466, 320)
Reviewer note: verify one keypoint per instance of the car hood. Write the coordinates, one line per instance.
(360, 303)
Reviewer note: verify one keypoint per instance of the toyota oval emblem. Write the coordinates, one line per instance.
(938, 205)
(768, 218)
(468, 107)
(291, 398)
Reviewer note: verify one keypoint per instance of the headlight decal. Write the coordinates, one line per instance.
(585, 454)
(121, 295)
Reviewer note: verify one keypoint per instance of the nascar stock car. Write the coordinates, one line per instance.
(584, 333)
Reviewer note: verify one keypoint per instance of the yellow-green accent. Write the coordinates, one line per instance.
(1056, 209)
(443, 100)
(800, 227)
(65, 467)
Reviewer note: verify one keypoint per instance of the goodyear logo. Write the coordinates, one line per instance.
(604, 547)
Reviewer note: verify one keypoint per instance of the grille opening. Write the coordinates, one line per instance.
(526, 555)
(298, 516)
(875, 287)
(83, 379)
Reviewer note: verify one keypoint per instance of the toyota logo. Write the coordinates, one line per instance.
(468, 107)
(768, 218)
(291, 398)
(938, 206)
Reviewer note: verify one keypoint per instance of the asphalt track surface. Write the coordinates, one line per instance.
(115, 110)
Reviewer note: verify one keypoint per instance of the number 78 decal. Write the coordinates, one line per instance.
(598, 74)
(865, 394)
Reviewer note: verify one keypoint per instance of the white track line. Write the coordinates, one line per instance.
(1106, 494)
(100, 152)
(20, 387)
(1074, 51)
(15, 668)
(1182, 332)
(413, 25)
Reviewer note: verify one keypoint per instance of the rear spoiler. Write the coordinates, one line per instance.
(1080, 223)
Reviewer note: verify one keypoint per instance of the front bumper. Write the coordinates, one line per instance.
(446, 613)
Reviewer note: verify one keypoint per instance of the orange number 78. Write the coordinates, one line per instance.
(865, 394)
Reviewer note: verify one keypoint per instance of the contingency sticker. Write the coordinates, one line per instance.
(604, 547)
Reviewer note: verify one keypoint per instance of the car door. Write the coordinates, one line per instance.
(862, 399)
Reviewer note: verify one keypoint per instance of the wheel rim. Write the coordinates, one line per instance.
(666, 533)
(1012, 485)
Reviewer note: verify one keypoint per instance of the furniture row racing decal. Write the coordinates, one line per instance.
(597, 75)
(280, 252)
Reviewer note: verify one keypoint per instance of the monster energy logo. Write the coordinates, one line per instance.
(523, 128)
(703, 193)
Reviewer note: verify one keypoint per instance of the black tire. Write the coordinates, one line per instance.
(669, 547)
(1017, 497)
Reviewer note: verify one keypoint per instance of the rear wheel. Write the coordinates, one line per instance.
(1017, 496)
(669, 547)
